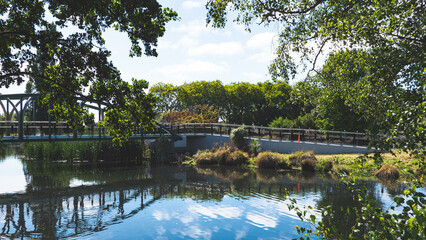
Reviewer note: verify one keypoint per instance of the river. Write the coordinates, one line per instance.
(40, 200)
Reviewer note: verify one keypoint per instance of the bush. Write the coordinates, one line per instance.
(308, 164)
(305, 121)
(221, 156)
(238, 135)
(205, 157)
(237, 158)
(254, 147)
(272, 160)
(388, 172)
(324, 166)
(282, 123)
(297, 157)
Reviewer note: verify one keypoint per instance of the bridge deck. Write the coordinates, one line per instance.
(46, 138)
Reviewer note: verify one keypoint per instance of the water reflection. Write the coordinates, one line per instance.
(108, 202)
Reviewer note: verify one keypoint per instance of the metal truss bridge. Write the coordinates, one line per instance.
(15, 126)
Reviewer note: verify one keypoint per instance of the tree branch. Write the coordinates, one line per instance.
(2, 34)
(316, 57)
(407, 38)
(306, 10)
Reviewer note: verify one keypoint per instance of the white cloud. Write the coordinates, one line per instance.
(262, 57)
(261, 220)
(225, 48)
(192, 66)
(262, 41)
(160, 216)
(217, 211)
(255, 76)
(193, 28)
(188, 5)
(184, 42)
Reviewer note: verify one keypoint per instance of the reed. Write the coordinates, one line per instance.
(85, 151)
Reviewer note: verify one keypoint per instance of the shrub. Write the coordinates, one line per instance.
(267, 160)
(388, 172)
(308, 164)
(305, 121)
(238, 135)
(281, 123)
(272, 160)
(236, 158)
(324, 165)
(221, 154)
(284, 163)
(205, 157)
(254, 147)
(297, 157)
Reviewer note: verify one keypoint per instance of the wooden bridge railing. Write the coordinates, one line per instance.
(292, 134)
(53, 129)
(9, 130)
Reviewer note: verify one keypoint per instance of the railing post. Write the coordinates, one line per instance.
(34, 110)
(220, 130)
(270, 134)
(258, 131)
(281, 135)
(21, 123)
(357, 137)
(291, 134)
(211, 128)
(99, 119)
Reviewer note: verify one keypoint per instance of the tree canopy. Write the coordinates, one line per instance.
(76, 64)
(240, 103)
(377, 62)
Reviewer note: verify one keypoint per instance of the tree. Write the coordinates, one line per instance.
(167, 95)
(391, 35)
(77, 65)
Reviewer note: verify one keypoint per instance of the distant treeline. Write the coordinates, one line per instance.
(276, 104)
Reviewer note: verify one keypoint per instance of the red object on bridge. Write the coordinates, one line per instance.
(298, 138)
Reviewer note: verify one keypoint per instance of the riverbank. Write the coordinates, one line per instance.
(387, 166)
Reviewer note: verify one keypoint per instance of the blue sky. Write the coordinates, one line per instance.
(190, 51)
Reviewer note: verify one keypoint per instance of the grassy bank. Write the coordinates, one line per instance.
(387, 166)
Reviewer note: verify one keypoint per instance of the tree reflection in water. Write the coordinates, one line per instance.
(50, 209)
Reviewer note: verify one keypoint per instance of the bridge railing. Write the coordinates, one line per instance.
(44, 129)
(282, 134)
(10, 130)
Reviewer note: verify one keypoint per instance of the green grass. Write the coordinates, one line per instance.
(85, 151)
